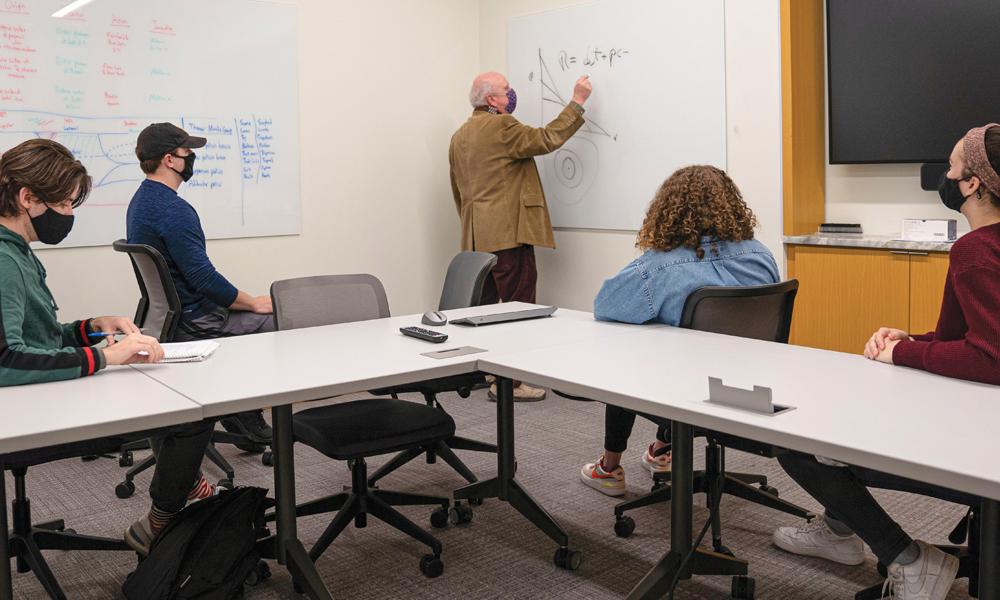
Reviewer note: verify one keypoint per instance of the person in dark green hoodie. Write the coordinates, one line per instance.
(40, 185)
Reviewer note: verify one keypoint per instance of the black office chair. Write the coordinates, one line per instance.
(762, 312)
(354, 431)
(26, 540)
(463, 287)
(158, 314)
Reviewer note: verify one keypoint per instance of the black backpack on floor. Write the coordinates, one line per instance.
(206, 552)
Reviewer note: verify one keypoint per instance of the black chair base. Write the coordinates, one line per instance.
(27, 540)
(444, 449)
(713, 483)
(362, 501)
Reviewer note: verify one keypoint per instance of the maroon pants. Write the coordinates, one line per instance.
(514, 277)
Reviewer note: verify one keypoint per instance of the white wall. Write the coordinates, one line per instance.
(881, 196)
(571, 275)
(382, 87)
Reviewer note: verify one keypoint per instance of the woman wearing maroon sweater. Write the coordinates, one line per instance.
(965, 345)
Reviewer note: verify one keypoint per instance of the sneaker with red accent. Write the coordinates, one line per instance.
(610, 484)
(656, 463)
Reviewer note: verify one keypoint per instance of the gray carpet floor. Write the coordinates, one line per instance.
(498, 555)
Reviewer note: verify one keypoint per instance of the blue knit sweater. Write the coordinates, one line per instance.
(160, 218)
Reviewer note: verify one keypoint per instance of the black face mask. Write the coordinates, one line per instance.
(52, 227)
(951, 195)
(188, 171)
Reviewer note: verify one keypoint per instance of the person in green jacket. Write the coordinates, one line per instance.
(40, 185)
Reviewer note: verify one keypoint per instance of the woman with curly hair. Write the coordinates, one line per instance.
(698, 231)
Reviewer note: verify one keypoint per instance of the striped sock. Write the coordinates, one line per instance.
(202, 489)
(158, 519)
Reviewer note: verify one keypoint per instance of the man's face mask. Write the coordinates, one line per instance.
(951, 194)
(511, 101)
(51, 226)
(188, 171)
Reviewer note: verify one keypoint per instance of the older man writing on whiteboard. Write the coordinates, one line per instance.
(497, 190)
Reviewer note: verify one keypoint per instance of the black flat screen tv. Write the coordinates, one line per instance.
(907, 78)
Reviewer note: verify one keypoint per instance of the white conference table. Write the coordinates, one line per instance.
(116, 401)
(898, 420)
(282, 368)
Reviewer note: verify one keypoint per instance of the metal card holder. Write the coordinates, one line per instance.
(758, 400)
(452, 352)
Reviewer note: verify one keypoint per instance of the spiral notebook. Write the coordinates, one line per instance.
(188, 351)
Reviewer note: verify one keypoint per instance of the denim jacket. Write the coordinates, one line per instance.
(654, 286)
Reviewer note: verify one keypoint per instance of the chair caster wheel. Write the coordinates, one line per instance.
(624, 526)
(267, 458)
(475, 501)
(460, 514)
(567, 559)
(431, 565)
(439, 518)
(743, 587)
(259, 574)
(226, 483)
(773, 491)
(126, 459)
(125, 489)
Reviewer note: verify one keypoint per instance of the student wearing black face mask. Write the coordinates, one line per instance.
(40, 185)
(965, 345)
(159, 217)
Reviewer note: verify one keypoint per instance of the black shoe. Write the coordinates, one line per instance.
(251, 424)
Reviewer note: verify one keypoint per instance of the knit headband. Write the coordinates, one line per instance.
(977, 161)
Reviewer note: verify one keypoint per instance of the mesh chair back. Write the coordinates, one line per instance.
(327, 300)
(159, 309)
(762, 312)
(463, 284)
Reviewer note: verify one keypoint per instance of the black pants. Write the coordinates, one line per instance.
(843, 492)
(178, 463)
(618, 424)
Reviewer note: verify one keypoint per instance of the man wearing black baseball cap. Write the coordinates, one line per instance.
(158, 217)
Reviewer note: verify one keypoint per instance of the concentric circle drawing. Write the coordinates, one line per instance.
(568, 168)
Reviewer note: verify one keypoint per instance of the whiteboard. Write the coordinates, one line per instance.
(225, 70)
(659, 100)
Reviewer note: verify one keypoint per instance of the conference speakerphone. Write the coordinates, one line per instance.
(504, 317)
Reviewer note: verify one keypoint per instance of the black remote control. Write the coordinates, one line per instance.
(424, 334)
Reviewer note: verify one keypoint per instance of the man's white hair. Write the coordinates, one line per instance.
(483, 86)
(480, 91)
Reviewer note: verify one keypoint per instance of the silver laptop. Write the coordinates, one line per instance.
(504, 317)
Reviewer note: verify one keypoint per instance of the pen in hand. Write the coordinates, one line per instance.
(109, 333)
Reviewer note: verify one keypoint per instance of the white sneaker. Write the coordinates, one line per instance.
(927, 578)
(610, 484)
(656, 464)
(817, 539)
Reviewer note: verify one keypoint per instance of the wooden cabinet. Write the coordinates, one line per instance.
(927, 275)
(845, 294)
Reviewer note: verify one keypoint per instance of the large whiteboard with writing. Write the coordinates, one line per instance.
(659, 100)
(225, 70)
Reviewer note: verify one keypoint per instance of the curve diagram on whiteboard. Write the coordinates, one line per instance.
(576, 164)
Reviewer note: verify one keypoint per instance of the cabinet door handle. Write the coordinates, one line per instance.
(918, 254)
(908, 253)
